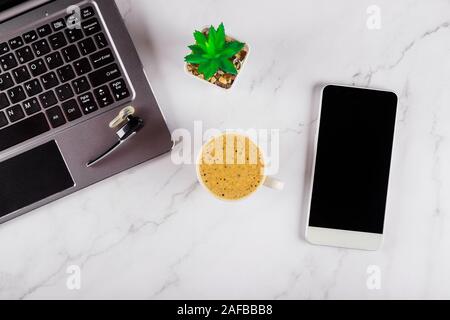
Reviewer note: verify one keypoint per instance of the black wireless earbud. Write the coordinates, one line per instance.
(131, 127)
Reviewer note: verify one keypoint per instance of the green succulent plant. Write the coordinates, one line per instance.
(212, 52)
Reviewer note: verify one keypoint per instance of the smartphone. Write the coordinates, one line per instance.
(352, 162)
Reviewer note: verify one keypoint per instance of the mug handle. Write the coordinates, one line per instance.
(274, 183)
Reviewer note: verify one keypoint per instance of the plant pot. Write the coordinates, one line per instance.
(222, 79)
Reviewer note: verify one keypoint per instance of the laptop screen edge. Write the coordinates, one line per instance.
(20, 7)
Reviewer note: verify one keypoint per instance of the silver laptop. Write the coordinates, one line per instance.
(67, 69)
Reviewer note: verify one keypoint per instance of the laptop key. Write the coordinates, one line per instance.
(49, 80)
(30, 36)
(82, 66)
(103, 96)
(104, 75)
(8, 61)
(100, 40)
(54, 60)
(16, 94)
(16, 43)
(64, 92)
(48, 99)
(21, 74)
(33, 87)
(102, 58)
(72, 21)
(66, 73)
(91, 26)
(56, 117)
(120, 90)
(58, 24)
(4, 48)
(3, 120)
(4, 102)
(74, 35)
(87, 12)
(23, 131)
(37, 67)
(6, 81)
(32, 106)
(44, 30)
(40, 47)
(25, 54)
(87, 103)
(70, 53)
(71, 110)
(57, 40)
(87, 46)
(15, 113)
(81, 85)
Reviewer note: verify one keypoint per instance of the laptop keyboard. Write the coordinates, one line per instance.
(53, 75)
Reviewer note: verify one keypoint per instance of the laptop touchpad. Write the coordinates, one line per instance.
(31, 177)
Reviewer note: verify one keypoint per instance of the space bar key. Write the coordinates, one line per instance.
(23, 131)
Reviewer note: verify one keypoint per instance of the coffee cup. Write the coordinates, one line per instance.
(232, 167)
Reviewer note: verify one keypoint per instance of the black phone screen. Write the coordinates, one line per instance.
(7, 4)
(353, 159)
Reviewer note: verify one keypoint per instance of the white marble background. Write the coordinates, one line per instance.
(153, 233)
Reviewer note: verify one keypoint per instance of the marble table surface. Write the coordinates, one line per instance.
(154, 233)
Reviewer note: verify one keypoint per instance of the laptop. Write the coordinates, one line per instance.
(67, 68)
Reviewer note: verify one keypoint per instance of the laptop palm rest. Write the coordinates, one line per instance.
(31, 177)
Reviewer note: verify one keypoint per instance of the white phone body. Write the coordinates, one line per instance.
(335, 237)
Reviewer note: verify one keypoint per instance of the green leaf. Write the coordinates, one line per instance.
(200, 39)
(211, 43)
(195, 58)
(228, 66)
(208, 69)
(196, 49)
(232, 48)
(220, 37)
